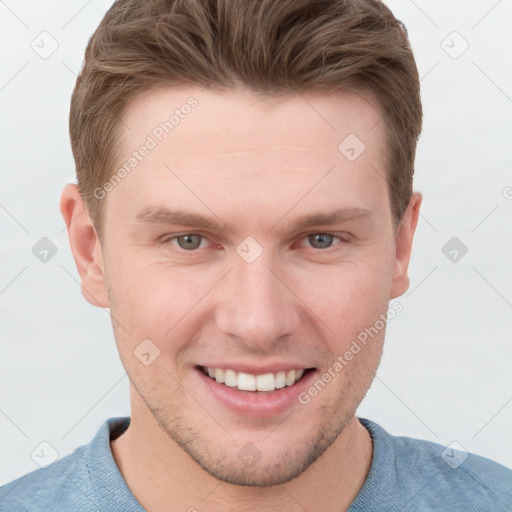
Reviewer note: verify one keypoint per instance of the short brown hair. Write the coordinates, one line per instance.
(272, 47)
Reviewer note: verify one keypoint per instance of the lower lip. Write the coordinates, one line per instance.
(253, 403)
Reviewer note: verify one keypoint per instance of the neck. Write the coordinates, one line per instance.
(158, 473)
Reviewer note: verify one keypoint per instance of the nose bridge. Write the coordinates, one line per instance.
(256, 306)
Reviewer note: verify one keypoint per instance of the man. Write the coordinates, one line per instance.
(245, 210)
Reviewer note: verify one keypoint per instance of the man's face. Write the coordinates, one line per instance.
(258, 294)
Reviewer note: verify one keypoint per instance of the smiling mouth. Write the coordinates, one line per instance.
(249, 382)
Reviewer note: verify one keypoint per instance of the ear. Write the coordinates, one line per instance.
(403, 246)
(85, 246)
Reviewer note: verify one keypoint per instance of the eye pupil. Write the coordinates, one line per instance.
(324, 238)
(193, 245)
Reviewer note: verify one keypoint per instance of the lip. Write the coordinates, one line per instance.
(255, 404)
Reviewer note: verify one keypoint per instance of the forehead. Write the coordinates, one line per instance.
(253, 151)
(238, 120)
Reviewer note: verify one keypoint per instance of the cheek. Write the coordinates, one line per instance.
(348, 297)
(155, 302)
(352, 306)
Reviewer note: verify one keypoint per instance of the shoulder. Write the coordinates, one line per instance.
(437, 477)
(81, 481)
(454, 470)
(53, 487)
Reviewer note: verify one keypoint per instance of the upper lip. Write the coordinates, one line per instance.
(257, 369)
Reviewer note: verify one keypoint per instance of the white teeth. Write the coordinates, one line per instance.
(230, 378)
(266, 382)
(290, 377)
(219, 375)
(280, 380)
(248, 382)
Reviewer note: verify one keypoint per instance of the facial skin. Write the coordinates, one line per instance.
(254, 166)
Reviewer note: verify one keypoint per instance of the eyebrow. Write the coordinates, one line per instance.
(167, 216)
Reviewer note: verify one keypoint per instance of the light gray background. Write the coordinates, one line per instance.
(445, 374)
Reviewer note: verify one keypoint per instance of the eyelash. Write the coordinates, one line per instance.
(334, 248)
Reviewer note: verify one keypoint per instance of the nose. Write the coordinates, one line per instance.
(256, 304)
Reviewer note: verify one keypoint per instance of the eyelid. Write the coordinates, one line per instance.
(334, 235)
(170, 238)
(342, 236)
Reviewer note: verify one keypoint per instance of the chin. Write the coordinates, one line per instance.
(277, 462)
(282, 468)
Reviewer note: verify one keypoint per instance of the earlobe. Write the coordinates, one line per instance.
(403, 246)
(85, 246)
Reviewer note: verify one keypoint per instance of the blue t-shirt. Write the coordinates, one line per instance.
(406, 475)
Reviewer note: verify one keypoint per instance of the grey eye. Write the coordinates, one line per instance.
(190, 242)
(324, 240)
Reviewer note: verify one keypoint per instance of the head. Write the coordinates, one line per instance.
(253, 116)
